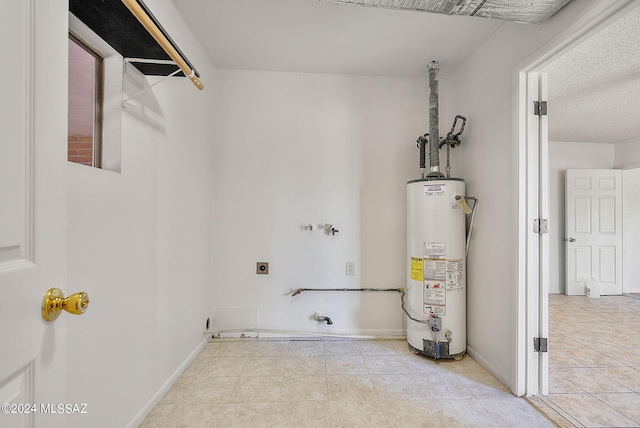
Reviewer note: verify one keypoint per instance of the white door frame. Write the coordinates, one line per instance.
(533, 273)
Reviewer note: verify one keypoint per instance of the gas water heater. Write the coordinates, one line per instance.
(436, 281)
(436, 297)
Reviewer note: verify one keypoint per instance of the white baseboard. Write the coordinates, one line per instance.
(480, 360)
(274, 333)
(139, 418)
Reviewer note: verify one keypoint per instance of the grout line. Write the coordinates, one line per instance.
(559, 416)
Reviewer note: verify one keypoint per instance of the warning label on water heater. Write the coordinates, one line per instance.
(435, 297)
(435, 189)
(435, 278)
(455, 275)
(435, 269)
(434, 250)
(417, 269)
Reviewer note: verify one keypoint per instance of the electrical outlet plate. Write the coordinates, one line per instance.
(351, 269)
(262, 268)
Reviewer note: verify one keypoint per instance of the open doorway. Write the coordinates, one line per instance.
(535, 264)
(593, 111)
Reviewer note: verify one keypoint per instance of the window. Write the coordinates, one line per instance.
(85, 104)
(95, 99)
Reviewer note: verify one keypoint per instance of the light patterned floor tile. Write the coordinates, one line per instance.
(590, 411)
(590, 380)
(345, 364)
(401, 347)
(234, 349)
(310, 365)
(626, 403)
(357, 414)
(484, 385)
(264, 366)
(626, 376)
(510, 412)
(244, 415)
(341, 347)
(211, 390)
(350, 388)
(156, 417)
(592, 358)
(271, 349)
(396, 387)
(560, 385)
(304, 388)
(251, 389)
(419, 364)
(191, 415)
(330, 383)
(311, 414)
(220, 366)
(376, 347)
(609, 334)
(558, 358)
(441, 385)
(299, 348)
(384, 364)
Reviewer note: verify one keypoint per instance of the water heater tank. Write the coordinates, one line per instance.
(436, 274)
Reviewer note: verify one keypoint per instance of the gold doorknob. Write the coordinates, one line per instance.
(54, 302)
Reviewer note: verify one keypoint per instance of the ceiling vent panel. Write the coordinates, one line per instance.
(524, 11)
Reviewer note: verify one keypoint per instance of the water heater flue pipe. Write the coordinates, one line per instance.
(434, 132)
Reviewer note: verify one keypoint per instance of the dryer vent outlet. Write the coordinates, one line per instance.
(262, 268)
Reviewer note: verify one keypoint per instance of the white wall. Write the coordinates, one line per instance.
(483, 89)
(139, 244)
(627, 152)
(562, 156)
(627, 155)
(295, 149)
(631, 240)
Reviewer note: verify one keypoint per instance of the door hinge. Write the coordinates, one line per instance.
(540, 225)
(540, 108)
(540, 344)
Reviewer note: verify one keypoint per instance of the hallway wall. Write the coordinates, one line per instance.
(139, 245)
(631, 238)
(484, 89)
(627, 153)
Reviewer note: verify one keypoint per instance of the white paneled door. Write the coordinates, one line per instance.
(32, 216)
(594, 230)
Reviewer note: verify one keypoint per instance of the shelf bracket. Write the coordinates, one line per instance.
(128, 61)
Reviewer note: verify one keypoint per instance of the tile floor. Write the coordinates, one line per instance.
(335, 383)
(594, 361)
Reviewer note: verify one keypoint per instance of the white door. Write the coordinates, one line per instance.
(32, 216)
(594, 230)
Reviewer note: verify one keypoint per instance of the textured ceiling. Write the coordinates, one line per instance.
(594, 90)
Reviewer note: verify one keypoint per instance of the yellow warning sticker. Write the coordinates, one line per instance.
(417, 268)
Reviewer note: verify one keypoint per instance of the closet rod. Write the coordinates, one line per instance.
(149, 23)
